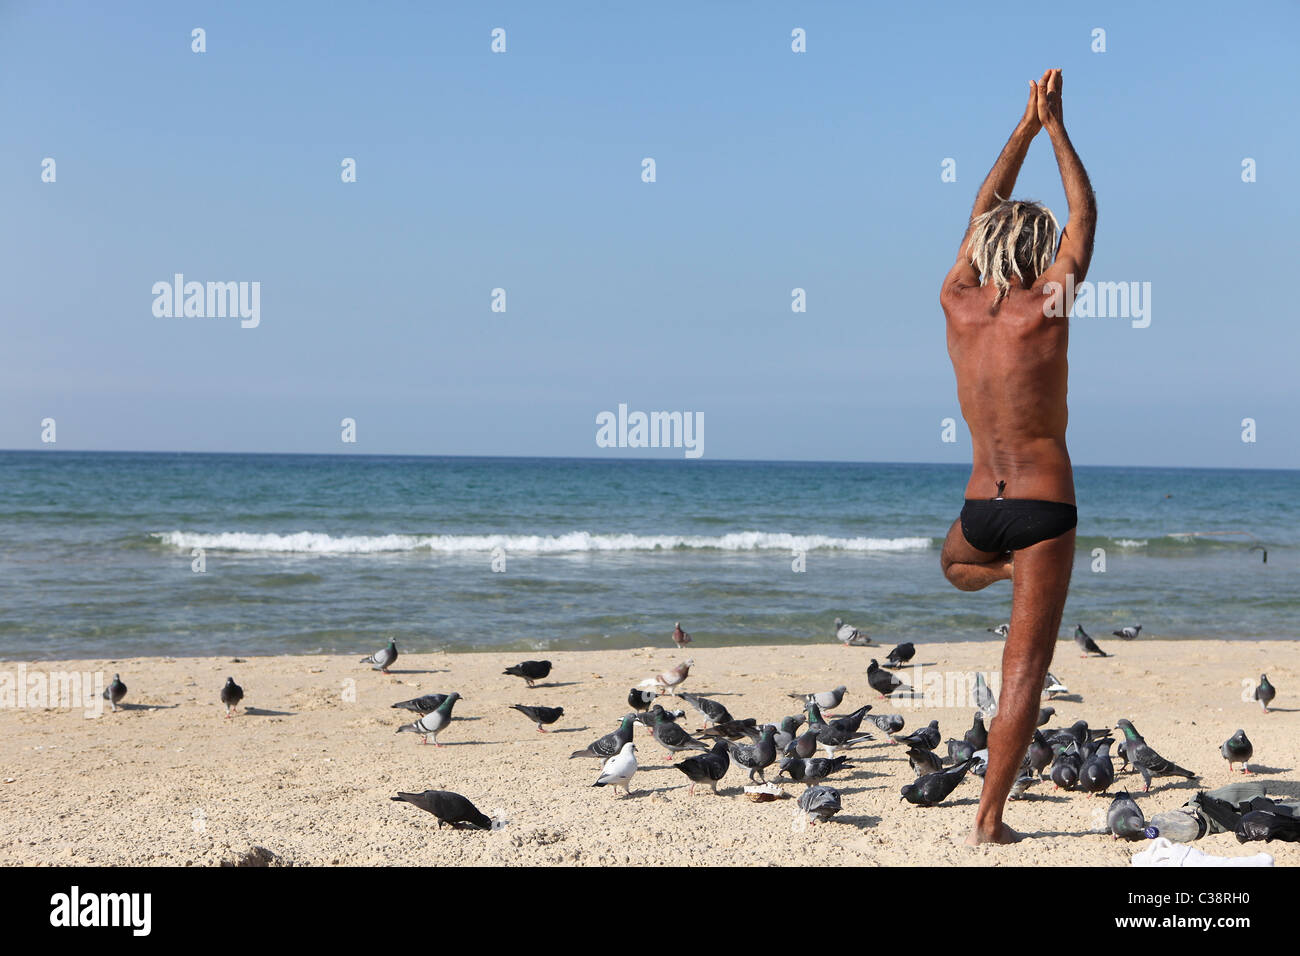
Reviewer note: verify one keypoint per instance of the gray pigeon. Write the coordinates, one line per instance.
(734, 729)
(422, 705)
(977, 737)
(1065, 769)
(231, 695)
(826, 699)
(1127, 633)
(785, 732)
(430, 725)
(1022, 783)
(1238, 749)
(1045, 714)
(115, 691)
(805, 745)
(609, 745)
(923, 761)
(850, 636)
(1265, 692)
(820, 802)
(539, 715)
(1039, 754)
(756, 757)
(450, 808)
(813, 770)
(959, 751)
(1097, 773)
(710, 710)
(1124, 818)
(1149, 763)
(530, 671)
(707, 768)
(889, 723)
(934, 788)
(984, 699)
(1002, 630)
(383, 658)
(1052, 685)
(1086, 644)
(673, 738)
(883, 682)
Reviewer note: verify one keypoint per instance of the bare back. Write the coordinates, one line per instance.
(1011, 372)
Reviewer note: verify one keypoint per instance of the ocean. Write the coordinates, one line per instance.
(303, 554)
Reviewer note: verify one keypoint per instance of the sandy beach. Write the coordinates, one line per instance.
(307, 768)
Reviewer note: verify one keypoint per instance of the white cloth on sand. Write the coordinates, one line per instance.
(1163, 853)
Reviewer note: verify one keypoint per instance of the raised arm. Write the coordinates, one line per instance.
(1075, 252)
(1000, 181)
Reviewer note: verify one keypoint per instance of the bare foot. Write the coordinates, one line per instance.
(1001, 834)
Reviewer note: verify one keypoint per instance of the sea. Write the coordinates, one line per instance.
(111, 555)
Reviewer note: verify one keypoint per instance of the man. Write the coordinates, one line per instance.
(1007, 337)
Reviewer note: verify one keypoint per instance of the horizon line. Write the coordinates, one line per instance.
(582, 458)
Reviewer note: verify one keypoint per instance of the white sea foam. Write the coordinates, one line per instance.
(313, 542)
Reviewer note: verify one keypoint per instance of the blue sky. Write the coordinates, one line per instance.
(521, 170)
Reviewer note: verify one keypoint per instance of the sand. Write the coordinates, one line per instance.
(306, 771)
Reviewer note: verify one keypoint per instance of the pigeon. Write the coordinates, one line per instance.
(707, 768)
(850, 636)
(115, 691)
(383, 658)
(680, 637)
(1148, 762)
(785, 731)
(231, 695)
(1086, 644)
(1052, 686)
(422, 705)
(923, 761)
(674, 676)
(984, 698)
(900, 655)
(1045, 714)
(530, 671)
(672, 737)
(977, 736)
(820, 802)
(756, 757)
(1039, 753)
(1127, 633)
(926, 738)
(640, 700)
(805, 745)
(539, 715)
(934, 788)
(813, 770)
(1022, 783)
(848, 723)
(430, 725)
(840, 732)
(826, 700)
(959, 751)
(1124, 818)
(610, 744)
(1097, 773)
(979, 764)
(710, 710)
(1238, 749)
(450, 808)
(1268, 825)
(1264, 692)
(619, 769)
(1002, 630)
(889, 723)
(1065, 769)
(883, 682)
(734, 729)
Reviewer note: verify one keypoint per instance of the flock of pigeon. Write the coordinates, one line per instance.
(1075, 757)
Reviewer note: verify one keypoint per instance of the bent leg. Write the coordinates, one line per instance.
(1037, 600)
(968, 568)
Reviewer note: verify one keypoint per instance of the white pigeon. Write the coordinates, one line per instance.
(1127, 633)
(1002, 630)
(619, 769)
(850, 636)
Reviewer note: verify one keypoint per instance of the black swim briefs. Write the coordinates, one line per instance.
(1009, 524)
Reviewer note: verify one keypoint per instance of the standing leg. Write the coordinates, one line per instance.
(1037, 600)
